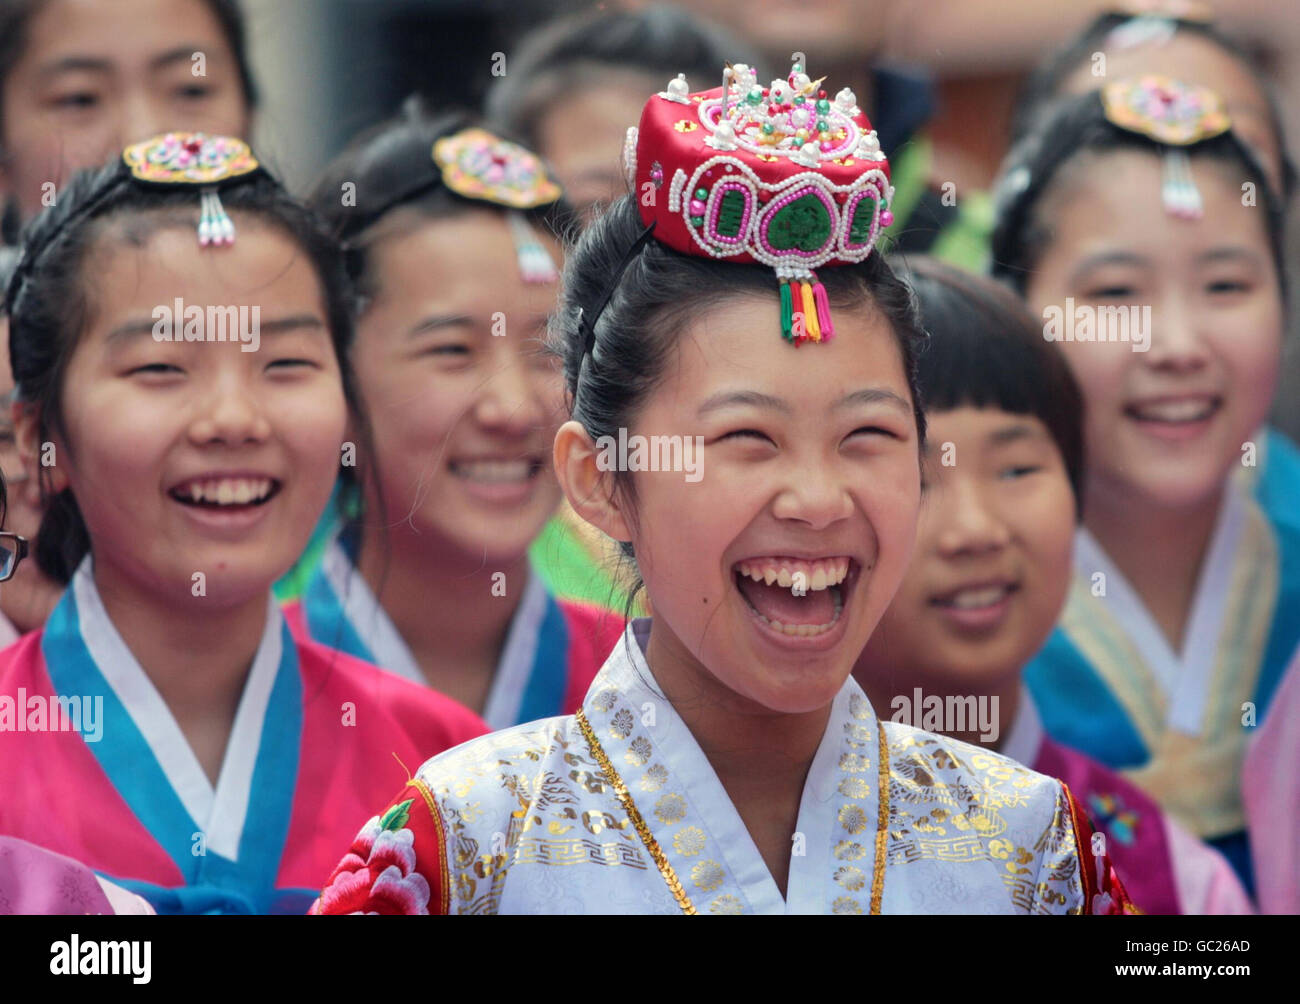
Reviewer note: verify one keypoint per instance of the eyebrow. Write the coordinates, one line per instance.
(756, 399)
(1013, 433)
(437, 322)
(1239, 254)
(280, 325)
(98, 64)
(1106, 258)
(180, 54)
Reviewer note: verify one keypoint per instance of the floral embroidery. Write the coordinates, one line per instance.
(385, 881)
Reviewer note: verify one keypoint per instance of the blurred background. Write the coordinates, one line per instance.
(947, 71)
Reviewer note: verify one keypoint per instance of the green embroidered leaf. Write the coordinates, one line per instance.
(731, 212)
(804, 224)
(396, 817)
(863, 215)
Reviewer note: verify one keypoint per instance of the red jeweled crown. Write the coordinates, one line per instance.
(781, 175)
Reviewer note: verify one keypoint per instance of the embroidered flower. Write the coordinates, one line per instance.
(385, 880)
(670, 809)
(850, 877)
(639, 752)
(655, 777)
(708, 875)
(849, 850)
(689, 841)
(727, 905)
(846, 904)
(621, 726)
(854, 787)
(853, 818)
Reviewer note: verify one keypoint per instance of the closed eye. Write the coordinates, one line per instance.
(80, 99)
(874, 430)
(291, 362)
(1111, 293)
(156, 368)
(1019, 472)
(747, 434)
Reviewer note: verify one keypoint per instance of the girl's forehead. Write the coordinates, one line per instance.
(1117, 194)
(123, 31)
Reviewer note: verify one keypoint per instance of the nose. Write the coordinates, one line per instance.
(815, 496)
(968, 524)
(512, 399)
(1177, 344)
(229, 414)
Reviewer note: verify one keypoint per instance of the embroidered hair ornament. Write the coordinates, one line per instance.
(171, 160)
(1175, 115)
(477, 165)
(782, 176)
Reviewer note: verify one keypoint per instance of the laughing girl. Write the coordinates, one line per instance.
(451, 238)
(723, 760)
(182, 477)
(1140, 205)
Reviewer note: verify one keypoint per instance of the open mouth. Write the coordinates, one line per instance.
(226, 493)
(796, 596)
(1175, 411)
(497, 471)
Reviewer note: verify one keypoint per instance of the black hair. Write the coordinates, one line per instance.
(391, 166)
(49, 303)
(1043, 86)
(659, 290)
(659, 40)
(16, 15)
(986, 351)
(1074, 125)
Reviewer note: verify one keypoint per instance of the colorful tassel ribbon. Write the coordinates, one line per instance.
(812, 330)
(215, 227)
(535, 264)
(823, 310)
(787, 312)
(1179, 191)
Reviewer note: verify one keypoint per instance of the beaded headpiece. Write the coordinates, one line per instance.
(476, 164)
(780, 175)
(192, 158)
(1176, 115)
(171, 160)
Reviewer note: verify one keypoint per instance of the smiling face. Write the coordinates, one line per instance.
(810, 468)
(1164, 427)
(463, 402)
(190, 457)
(97, 75)
(992, 561)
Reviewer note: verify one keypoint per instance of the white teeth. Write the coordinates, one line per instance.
(816, 575)
(1175, 411)
(974, 599)
(493, 470)
(229, 491)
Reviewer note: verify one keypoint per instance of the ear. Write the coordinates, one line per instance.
(31, 448)
(588, 483)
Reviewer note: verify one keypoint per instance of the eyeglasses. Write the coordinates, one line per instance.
(13, 549)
